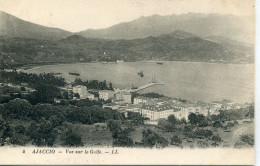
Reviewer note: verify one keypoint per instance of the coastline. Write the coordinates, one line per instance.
(33, 66)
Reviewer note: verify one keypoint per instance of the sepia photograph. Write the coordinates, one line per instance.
(103, 81)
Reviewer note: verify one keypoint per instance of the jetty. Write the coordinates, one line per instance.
(146, 86)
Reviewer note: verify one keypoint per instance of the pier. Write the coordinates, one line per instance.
(146, 86)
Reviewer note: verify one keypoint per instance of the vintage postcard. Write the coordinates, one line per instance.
(127, 82)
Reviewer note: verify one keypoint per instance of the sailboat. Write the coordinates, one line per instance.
(141, 73)
(153, 79)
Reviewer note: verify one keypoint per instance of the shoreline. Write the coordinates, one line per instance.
(35, 65)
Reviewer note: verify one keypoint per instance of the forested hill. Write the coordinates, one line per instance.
(176, 46)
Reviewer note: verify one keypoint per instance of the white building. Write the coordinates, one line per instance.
(90, 96)
(140, 100)
(81, 90)
(155, 112)
(123, 96)
(106, 94)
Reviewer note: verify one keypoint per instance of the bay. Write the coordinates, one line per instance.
(197, 81)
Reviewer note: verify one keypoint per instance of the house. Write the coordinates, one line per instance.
(106, 94)
(90, 96)
(123, 96)
(81, 90)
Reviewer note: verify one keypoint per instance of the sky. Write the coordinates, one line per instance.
(78, 15)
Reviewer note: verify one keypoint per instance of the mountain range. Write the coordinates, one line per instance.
(11, 26)
(189, 37)
(233, 27)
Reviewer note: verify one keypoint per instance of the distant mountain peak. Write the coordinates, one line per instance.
(195, 23)
(12, 26)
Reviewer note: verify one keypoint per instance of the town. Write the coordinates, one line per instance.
(153, 108)
(54, 112)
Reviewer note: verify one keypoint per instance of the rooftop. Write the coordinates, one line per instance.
(106, 91)
(158, 107)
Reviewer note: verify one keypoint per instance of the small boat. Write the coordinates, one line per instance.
(141, 73)
(159, 63)
(75, 74)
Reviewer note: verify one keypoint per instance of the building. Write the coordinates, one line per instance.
(81, 90)
(146, 100)
(127, 97)
(90, 96)
(106, 94)
(123, 96)
(140, 100)
(157, 112)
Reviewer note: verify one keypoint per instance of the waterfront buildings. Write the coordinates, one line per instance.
(155, 109)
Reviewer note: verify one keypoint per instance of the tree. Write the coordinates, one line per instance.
(199, 119)
(251, 112)
(172, 119)
(175, 140)
(188, 131)
(193, 118)
(110, 85)
(217, 124)
(201, 133)
(78, 81)
(135, 117)
(76, 95)
(42, 134)
(114, 126)
(166, 126)
(183, 121)
(72, 139)
(66, 95)
(161, 141)
(217, 139)
(46, 93)
(202, 143)
(17, 108)
(150, 139)
(248, 139)
(122, 139)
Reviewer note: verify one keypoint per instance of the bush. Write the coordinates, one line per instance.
(248, 139)
(151, 139)
(72, 139)
(175, 140)
(122, 139)
(202, 144)
(217, 139)
(217, 124)
(201, 133)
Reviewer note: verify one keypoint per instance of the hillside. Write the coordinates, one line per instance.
(176, 46)
(11, 26)
(233, 27)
